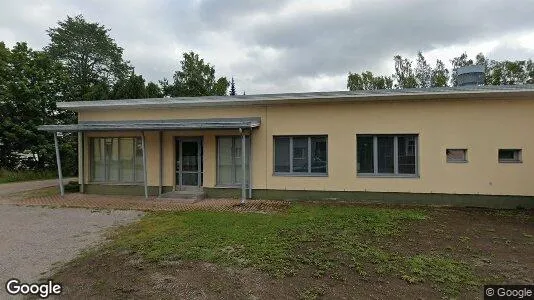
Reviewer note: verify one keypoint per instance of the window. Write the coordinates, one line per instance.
(456, 155)
(300, 155)
(229, 151)
(116, 160)
(510, 155)
(387, 155)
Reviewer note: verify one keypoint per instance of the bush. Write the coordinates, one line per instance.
(25, 175)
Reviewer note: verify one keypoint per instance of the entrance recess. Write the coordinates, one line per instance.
(188, 163)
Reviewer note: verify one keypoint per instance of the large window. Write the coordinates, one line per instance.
(387, 155)
(116, 160)
(300, 155)
(229, 160)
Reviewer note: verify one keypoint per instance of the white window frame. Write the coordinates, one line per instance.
(395, 155)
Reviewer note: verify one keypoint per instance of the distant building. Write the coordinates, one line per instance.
(470, 75)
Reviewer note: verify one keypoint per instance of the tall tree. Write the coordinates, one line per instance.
(367, 81)
(153, 90)
(132, 87)
(31, 84)
(195, 78)
(404, 73)
(440, 75)
(232, 87)
(423, 72)
(90, 56)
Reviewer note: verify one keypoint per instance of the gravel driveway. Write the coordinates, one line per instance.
(35, 239)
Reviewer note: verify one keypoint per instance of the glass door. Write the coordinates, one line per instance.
(188, 163)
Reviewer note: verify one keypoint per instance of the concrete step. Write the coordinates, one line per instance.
(191, 195)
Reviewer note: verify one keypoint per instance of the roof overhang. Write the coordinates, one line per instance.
(136, 125)
(415, 94)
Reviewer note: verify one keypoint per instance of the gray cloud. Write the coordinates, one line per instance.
(271, 46)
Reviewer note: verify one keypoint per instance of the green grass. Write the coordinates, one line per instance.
(14, 176)
(318, 238)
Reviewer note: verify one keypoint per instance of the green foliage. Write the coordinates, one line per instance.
(423, 72)
(32, 83)
(132, 87)
(90, 56)
(366, 81)
(195, 78)
(153, 90)
(25, 175)
(232, 87)
(404, 73)
(440, 75)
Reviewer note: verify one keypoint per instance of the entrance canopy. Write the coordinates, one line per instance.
(184, 124)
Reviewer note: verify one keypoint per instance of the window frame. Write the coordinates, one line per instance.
(107, 160)
(395, 173)
(236, 139)
(515, 160)
(457, 161)
(291, 173)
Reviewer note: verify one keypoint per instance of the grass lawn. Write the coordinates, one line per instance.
(14, 176)
(308, 252)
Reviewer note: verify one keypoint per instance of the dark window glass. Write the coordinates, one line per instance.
(365, 154)
(318, 155)
(510, 155)
(385, 154)
(406, 150)
(281, 154)
(300, 155)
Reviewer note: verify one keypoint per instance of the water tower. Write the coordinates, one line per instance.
(470, 75)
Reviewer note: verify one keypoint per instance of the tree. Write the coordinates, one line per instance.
(404, 73)
(31, 84)
(423, 72)
(232, 87)
(132, 87)
(153, 90)
(195, 78)
(90, 56)
(440, 75)
(366, 81)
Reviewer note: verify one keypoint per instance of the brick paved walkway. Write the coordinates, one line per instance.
(151, 204)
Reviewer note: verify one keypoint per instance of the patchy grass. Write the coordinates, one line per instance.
(321, 239)
(25, 175)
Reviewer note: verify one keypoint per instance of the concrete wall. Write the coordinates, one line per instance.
(481, 126)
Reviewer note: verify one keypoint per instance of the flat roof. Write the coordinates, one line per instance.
(292, 98)
(185, 124)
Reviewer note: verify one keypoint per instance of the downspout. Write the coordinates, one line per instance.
(143, 145)
(58, 160)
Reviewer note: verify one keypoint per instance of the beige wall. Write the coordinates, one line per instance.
(480, 126)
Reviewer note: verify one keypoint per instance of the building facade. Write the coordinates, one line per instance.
(469, 146)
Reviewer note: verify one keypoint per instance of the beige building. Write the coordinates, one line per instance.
(471, 146)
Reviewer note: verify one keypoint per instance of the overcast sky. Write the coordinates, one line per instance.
(287, 45)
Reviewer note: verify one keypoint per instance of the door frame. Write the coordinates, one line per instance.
(178, 140)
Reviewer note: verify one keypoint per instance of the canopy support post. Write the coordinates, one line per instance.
(160, 163)
(58, 160)
(143, 145)
(243, 167)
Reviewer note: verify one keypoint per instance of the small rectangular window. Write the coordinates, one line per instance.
(300, 155)
(456, 155)
(510, 155)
